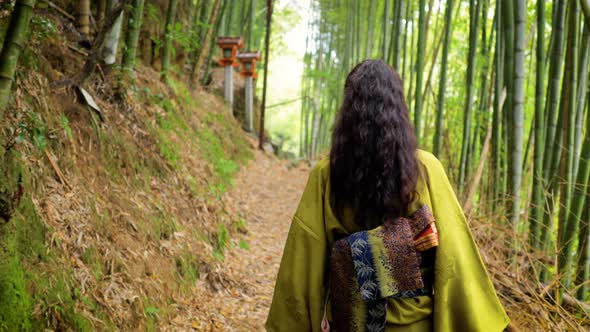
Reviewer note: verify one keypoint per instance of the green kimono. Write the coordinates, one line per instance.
(464, 297)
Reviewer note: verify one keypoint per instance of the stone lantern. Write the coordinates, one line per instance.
(229, 48)
(248, 61)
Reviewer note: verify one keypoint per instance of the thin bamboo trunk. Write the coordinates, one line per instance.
(230, 16)
(508, 33)
(167, 45)
(583, 268)
(437, 143)
(83, 19)
(577, 215)
(133, 29)
(396, 37)
(474, 11)
(14, 41)
(210, 51)
(405, 43)
(385, 29)
(199, 35)
(497, 114)
(581, 94)
(537, 202)
(419, 70)
(517, 120)
(100, 13)
(195, 71)
(568, 225)
(251, 20)
(371, 30)
(269, 8)
(552, 143)
(553, 86)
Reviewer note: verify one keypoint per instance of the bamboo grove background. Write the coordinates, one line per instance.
(173, 35)
(498, 90)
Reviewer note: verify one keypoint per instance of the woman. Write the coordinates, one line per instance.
(379, 187)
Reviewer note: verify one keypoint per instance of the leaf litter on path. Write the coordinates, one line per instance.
(236, 294)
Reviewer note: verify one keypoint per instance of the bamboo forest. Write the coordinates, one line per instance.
(155, 157)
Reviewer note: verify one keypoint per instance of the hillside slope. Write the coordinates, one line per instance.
(121, 208)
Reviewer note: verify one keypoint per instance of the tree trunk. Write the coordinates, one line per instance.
(371, 30)
(397, 33)
(405, 43)
(205, 46)
(419, 70)
(167, 45)
(537, 203)
(133, 29)
(551, 120)
(384, 30)
(83, 20)
(100, 13)
(210, 51)
(583, 269)
(553, 86)
(269, 8)
(578, 215)
(508, 33)
(250, 41)
(567, 225)
(14, 40)
(229, 19)
(437, 144)
(474, 11)
(581, 94)
(517, 120)
(497, 115)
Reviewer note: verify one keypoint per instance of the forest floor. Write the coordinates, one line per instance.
(238, 297)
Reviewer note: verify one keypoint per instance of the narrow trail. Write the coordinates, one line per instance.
(236, 295)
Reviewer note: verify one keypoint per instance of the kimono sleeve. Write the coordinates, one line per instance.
(464, 296)
(298, 298)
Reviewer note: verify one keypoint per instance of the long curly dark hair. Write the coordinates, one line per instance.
(373, 163)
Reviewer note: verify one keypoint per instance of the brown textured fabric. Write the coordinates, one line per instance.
(402, 276)
(341, 283)
(398, 240)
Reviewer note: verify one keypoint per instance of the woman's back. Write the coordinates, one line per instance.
(464, 297)
(374, 175)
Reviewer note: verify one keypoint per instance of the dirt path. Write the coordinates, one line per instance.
(237, 295)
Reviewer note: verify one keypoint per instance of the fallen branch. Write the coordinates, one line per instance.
(77, 50)
(56, 168)
(59, 10)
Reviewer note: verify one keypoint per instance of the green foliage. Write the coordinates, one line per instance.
(42, 28)
(221, 242)
(153, 311)
(65, 124)
(32, 128)
(187, 267)
(244, 245)
(92, 257)
(240, 225)
(15, 302)
(223, 167)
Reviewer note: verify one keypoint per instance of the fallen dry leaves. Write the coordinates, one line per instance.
(236, 294)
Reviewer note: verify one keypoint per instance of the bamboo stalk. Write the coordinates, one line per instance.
(13, 44)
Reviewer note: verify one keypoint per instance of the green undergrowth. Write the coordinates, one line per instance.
(229, 238)
(37, 285)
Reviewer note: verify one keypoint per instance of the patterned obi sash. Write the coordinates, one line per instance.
(369, 267)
